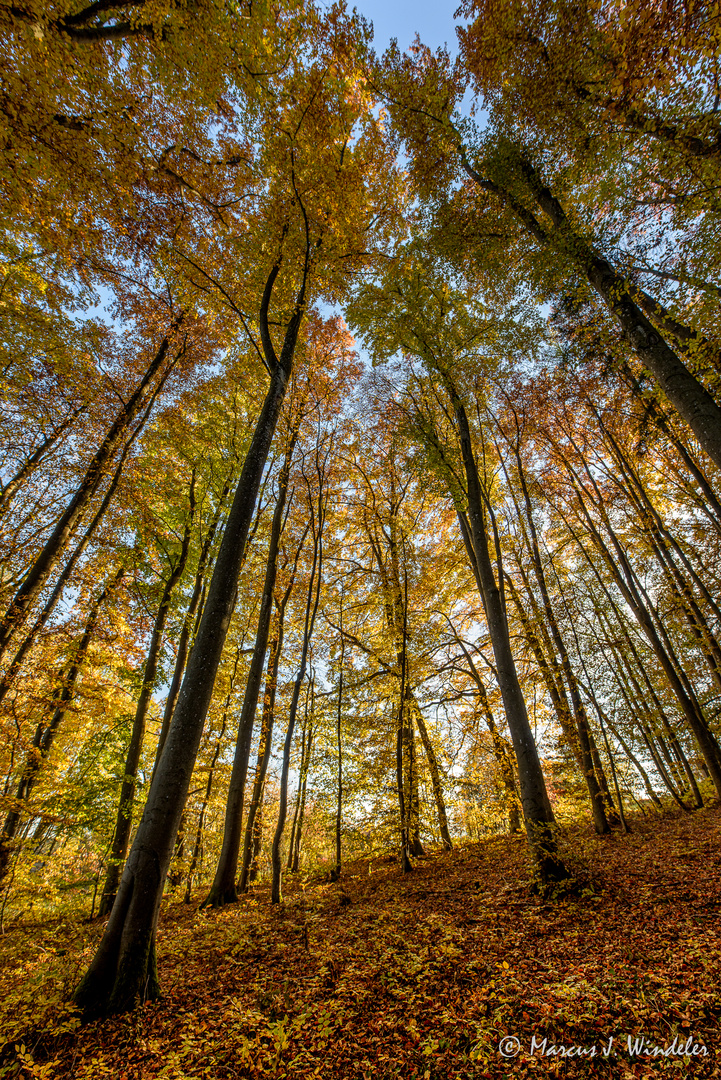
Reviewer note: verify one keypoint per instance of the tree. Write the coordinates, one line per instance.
(123, 970)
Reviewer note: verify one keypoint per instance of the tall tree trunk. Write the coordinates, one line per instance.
(538, 816)
(265, 741)
(198, 844)
(223, 890)
(191, 621)
(46, 731)
(690, 399)
(31, 463)
(54, 546)
(123, 970)
(624, 577)
(311, 610)
(124, 817)
(337, 865)
(15, 664)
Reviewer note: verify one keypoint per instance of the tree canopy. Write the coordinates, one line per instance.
(360, 476)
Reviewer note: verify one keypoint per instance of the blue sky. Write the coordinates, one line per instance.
(403, 18)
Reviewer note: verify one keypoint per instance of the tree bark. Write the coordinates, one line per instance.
(45, 732)
(124, 970)
(692, 401)
(538, 816)
(124, 817)
(265, 742)
(191, 622)
(318, 523)
(46, 560)
(16, 663)
(223, 890)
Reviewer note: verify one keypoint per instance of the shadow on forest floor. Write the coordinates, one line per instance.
(381, 976)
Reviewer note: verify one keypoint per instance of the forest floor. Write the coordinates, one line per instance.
(382, 976)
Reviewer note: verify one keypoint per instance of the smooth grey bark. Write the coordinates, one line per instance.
(223, 890)
(124, 816)
(190, 622)
(123, 970)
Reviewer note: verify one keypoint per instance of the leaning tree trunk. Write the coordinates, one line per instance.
(26, 644)
(28, 467)
(190, 622)
(336, 869)
(292, 861)
(687, 395)
(123, 970)
(124, 817)
(537, 813)
(310, 615)
(46, 560)
(45, 733)
(223, 890)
